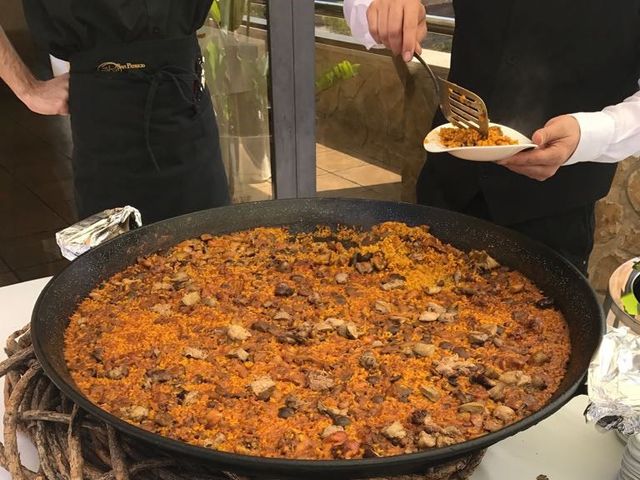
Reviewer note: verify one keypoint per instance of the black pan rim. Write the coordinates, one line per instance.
(293, 466)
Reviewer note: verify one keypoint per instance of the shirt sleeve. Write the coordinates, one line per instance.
(355, 13)
(611, 135)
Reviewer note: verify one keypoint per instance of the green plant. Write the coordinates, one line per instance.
(236, 70)
(236, 66)
(344, 70)
(228, 14)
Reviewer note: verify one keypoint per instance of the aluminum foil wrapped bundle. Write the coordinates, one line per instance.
(614, 394)
(96, 229)
(614, 383)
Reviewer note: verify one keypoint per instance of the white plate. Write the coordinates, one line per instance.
(479, 154)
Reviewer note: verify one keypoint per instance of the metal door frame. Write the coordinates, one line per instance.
(291, 27)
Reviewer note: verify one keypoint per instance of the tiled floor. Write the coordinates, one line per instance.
(341, 175)
(36, 190)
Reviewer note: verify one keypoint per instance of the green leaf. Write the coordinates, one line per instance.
(228, 14)
(340, 72)
(214, 11)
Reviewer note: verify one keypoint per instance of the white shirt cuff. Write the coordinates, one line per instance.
(596, 133)
(355, 13)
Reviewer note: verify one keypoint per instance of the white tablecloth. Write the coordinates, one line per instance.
(563, 447)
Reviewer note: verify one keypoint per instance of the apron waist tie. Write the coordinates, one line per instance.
(177, 60)
(182, 79)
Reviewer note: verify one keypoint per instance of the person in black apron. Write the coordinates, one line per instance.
(143, 127)
(530, 62)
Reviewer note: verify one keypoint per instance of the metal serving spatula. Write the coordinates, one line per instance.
(460, 106)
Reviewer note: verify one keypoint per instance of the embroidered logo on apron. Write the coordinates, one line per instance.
(119, 67)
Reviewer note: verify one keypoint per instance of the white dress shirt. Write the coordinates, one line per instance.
(608, 136)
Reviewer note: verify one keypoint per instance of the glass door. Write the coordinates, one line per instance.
(373, 110)
(352, 124)
(234, 42)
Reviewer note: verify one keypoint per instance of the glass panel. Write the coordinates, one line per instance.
(437, 42)
(442, 8)
(234, 44)
(372, 112)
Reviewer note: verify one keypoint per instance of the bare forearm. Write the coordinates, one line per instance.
(13, 70)
(46, 97)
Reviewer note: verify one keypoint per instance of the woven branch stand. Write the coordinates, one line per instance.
(72, 445)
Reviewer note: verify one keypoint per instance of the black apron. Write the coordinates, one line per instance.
(144, 130)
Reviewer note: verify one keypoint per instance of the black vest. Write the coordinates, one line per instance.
(531, 61)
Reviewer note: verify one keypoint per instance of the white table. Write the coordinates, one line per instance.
(563, 447)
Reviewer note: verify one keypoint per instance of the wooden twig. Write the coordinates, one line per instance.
(118, 465)
(12, 344)
(76, 461)
(19, 358)
(11, 417)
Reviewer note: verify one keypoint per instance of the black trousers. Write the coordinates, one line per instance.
(569, 233)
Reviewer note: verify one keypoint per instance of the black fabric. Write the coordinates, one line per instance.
(145, 137)
(531, 62)
(65, 27)
(570, 233)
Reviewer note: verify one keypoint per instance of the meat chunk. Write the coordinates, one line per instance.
(137, 413)
(483, 260)
(341, 278)
(282, 315)
(238, 332)
(395, 431)
(471, 407)
(423, 349)
(425, 440)
(240, 354)
(348, 330)
(430, 392)
(383, 307)
(428, 316)
(478, 338)
(454, 366)
(515, 377)
(504, 413)
(284, 290)
(319, 381)
(196, 353)
(331, 430)
(393, 283)
(368, 361)
(263, 388)
(191, 298)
